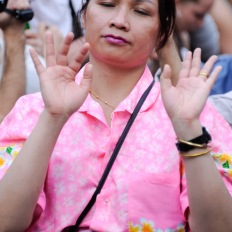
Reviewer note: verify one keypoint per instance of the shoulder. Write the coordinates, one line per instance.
(23, 117)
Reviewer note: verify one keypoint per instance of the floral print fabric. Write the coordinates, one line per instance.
(142, 191)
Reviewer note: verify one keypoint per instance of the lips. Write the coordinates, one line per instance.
(115, 39)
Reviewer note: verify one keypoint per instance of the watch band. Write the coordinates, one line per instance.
(203, 139)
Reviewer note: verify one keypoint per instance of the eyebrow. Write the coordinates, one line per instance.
(149, 1)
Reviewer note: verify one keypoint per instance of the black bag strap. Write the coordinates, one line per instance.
(111, 161)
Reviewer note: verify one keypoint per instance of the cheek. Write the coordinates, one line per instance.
(148, 44)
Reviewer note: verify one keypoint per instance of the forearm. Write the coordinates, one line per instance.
(29, 169)
(210, 203)
(13, 81)
(225, 28)
(169, 55)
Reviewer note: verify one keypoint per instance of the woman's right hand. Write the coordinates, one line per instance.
(61, 94)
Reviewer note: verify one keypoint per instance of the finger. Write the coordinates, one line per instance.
(42, 28)
(50, 50)
(196, 63)
(34, 42)
(165, 78)
(37, 63)
(75, 64)
(213, 76)
(205, 71)
(186, 65)
(29, 33)
(87, 77)
(63, 52)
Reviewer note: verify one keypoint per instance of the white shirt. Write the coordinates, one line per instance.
(223, 103)
(54, 12)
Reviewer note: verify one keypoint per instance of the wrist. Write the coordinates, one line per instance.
(14, 32)
(187, 129)
(54, 118)
(201, 142)
(196, 152)
(14, 42)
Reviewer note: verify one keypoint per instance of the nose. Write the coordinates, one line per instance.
(120, 19)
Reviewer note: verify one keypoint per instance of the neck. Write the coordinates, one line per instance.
(113, 84)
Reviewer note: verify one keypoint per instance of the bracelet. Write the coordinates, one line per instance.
(200, 141)
(197, 154)
(192, 144)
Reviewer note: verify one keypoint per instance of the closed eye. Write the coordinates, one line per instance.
(142, 12)
(107, 4)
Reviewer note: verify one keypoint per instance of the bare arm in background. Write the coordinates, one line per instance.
(13, 82)
(222, 14)
(169, 54)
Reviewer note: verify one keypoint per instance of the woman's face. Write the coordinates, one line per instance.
(191, 14)
(122, 32)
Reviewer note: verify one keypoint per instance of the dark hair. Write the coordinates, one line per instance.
(167, 15)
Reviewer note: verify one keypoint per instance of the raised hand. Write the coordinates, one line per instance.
(186, 100)
(61, 94)
(9, 22)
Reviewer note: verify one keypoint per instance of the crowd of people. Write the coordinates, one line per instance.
(116, 116)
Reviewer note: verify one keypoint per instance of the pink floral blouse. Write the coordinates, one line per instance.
(146, 188)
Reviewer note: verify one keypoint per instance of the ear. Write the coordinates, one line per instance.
(83, 18)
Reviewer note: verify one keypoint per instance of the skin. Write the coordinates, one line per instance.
(36, 38)
(190, 14)
(222, 20)
(95, 22)
(14, 67)
(62, 97)
(115, 61)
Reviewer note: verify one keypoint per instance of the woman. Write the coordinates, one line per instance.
(74, 129)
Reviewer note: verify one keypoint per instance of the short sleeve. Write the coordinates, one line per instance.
(221, 134)
(7, 155)
(223, 103)
(15, 129)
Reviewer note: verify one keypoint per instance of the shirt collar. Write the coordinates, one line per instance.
(129, 103)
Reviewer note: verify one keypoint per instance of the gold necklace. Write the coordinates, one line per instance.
(95, 95)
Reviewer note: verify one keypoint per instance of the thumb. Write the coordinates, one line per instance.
(87, 77)
(165, 78)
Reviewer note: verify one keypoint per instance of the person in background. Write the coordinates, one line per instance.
(50, 18)
(207, 28)
(206, 37)
(194, 26)
(13, 74)
(58, 13)
(222, 15)
(51, 164)
(221, 93)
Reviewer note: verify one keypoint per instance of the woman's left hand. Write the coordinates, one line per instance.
(185, 102)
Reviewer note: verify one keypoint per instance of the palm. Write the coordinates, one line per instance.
(186, 100)
(61, 94)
